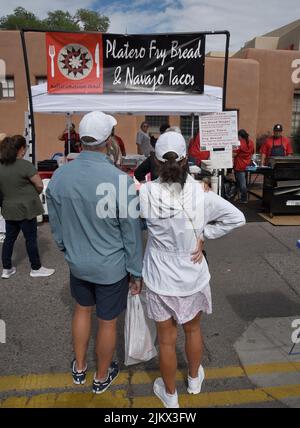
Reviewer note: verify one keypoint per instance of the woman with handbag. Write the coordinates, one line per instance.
(179, 216)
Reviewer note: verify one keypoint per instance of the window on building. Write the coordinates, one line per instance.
(186, 126)
(155, 122)
(8, 88)
(40, 80)
(296, 114)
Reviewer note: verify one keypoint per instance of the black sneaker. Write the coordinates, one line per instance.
(79, 377)
(100, 387)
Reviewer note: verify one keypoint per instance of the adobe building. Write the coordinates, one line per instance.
(260, 87)
(277, 53)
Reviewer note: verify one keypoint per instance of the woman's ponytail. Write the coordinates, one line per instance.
(244, 135)
(172, 171)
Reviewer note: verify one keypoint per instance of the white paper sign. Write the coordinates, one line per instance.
(221, 159)
(218, 130)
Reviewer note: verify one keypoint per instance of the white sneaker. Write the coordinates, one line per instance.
(42, 271)
(168, 400)
(7, 273)
(195, 383)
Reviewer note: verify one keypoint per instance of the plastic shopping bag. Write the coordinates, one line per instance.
(140, 333)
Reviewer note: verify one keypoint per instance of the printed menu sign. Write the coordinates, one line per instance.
(218, 130)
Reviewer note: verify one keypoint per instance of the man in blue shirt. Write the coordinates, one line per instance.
(93, 214)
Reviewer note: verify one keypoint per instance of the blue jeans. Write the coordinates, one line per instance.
(29, 229)
(240, 177)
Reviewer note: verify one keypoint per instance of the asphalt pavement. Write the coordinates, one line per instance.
(255, 276)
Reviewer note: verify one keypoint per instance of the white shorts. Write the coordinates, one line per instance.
(182, 309)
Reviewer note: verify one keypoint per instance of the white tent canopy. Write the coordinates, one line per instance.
(128, 103)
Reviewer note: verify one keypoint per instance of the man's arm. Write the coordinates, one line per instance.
(54, 212)
(131, 231)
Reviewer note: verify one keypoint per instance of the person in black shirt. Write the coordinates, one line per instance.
(150, 165)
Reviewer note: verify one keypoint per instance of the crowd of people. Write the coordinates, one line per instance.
(274, 145)
(104, 248)
(72, 144)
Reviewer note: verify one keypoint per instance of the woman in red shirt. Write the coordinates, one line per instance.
(242, 159)
(194, 152)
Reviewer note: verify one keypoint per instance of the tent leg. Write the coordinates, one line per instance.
(69, 131)
(193, 126)
(220, 179)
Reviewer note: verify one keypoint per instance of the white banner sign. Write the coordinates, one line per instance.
(218, 130)
(221, 159)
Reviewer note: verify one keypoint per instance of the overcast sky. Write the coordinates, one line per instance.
(245, 19)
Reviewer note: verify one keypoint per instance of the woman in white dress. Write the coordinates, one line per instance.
(179, 215)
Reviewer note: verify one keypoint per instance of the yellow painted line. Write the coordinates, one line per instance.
(118, 399)
(142, 377)
(225, 398)
(49, 381)
(272, 368)
(69, 400)
(35, 382)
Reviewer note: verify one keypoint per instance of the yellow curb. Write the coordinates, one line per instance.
(69, 400)
(225, 398)
(36, 382)
(118, 399)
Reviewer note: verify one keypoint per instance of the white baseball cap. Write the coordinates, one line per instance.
(97, 125)
(170, 142)
(174, 129)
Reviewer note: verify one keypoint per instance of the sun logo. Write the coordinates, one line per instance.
(75, 61)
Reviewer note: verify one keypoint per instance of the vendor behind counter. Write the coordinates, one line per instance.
(275, 146)
(74, 140)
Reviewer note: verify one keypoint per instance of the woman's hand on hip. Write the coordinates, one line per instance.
(197, 253)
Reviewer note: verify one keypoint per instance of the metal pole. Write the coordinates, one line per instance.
(193, 126)
(69, 132)
(29, 95)
(227, 33)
